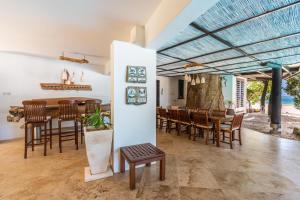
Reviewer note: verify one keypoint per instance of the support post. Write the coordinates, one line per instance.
(276, 98)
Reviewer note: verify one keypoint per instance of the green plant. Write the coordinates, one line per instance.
(229, 103)
(293, 89)
(256, 90)
(95, 120)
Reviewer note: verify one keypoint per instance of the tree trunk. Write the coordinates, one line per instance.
(263, 96)
(206, 95)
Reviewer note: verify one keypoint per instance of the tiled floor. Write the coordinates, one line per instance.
(264, 167)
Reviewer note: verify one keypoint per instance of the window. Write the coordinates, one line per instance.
(180, 89)
(240, 93)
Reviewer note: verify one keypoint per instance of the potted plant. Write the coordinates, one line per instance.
(229, 105)
(98, 140)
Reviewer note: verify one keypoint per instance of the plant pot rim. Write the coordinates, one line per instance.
(91, 129)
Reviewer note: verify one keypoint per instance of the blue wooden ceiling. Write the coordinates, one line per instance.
(234, 37)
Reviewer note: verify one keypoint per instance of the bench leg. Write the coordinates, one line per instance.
(162, 170)
(122, 164)
(132, 176)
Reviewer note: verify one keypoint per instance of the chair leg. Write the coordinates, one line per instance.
(161, 121)
(132, 176)
(162, 169)
(178, 129)
(45, 139)
(207, 136)
(194, 135)
(76, 134)
(59, 136)
(223, 133)
(32, 138)
(213, 133)
(230, 139)
(26, 138)
(240, 137)
(169, 127)
(81, 130)
(50, 123)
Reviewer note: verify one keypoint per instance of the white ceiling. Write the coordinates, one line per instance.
(48, 27)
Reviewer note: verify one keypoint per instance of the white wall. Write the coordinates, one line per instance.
(230, 88)
(20, 78)
(169, 91)
(171, 17)
(133, 124)
(229, 91)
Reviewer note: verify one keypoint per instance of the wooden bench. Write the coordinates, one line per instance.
(141, 154)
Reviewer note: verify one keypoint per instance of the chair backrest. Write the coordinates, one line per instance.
(105, 107)
(174, 107)
(35, 111)
(163, 112)
(183, 115)
(68, 109)
(202, 110)
(173, 114)
(237, 121)
(200, 118)
(219, 113)
(92, 105)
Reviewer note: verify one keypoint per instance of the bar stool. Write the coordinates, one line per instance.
(68, 111)
(92, 105)
(35, 115)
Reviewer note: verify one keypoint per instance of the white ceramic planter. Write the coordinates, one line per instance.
(98, 148)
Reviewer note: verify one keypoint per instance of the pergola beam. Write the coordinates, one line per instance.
(231, 25)
(226, 49)
(227, 43)
(243, 56)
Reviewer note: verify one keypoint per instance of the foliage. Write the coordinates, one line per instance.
(255, 90)
(293, 89)
(228, 103)
(97, 120)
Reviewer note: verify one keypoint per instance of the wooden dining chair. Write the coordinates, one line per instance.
(35, 116)
(172, 120)
(184, 121)
(236, 125)
(163, 118)
(200, 121)
(68, 111)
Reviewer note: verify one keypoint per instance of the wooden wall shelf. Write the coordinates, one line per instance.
(59, 86)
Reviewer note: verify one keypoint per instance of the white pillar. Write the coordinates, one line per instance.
(133, 124)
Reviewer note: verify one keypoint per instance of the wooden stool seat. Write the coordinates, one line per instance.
(141, 154)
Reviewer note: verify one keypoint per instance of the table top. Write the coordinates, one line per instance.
(227, 117)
